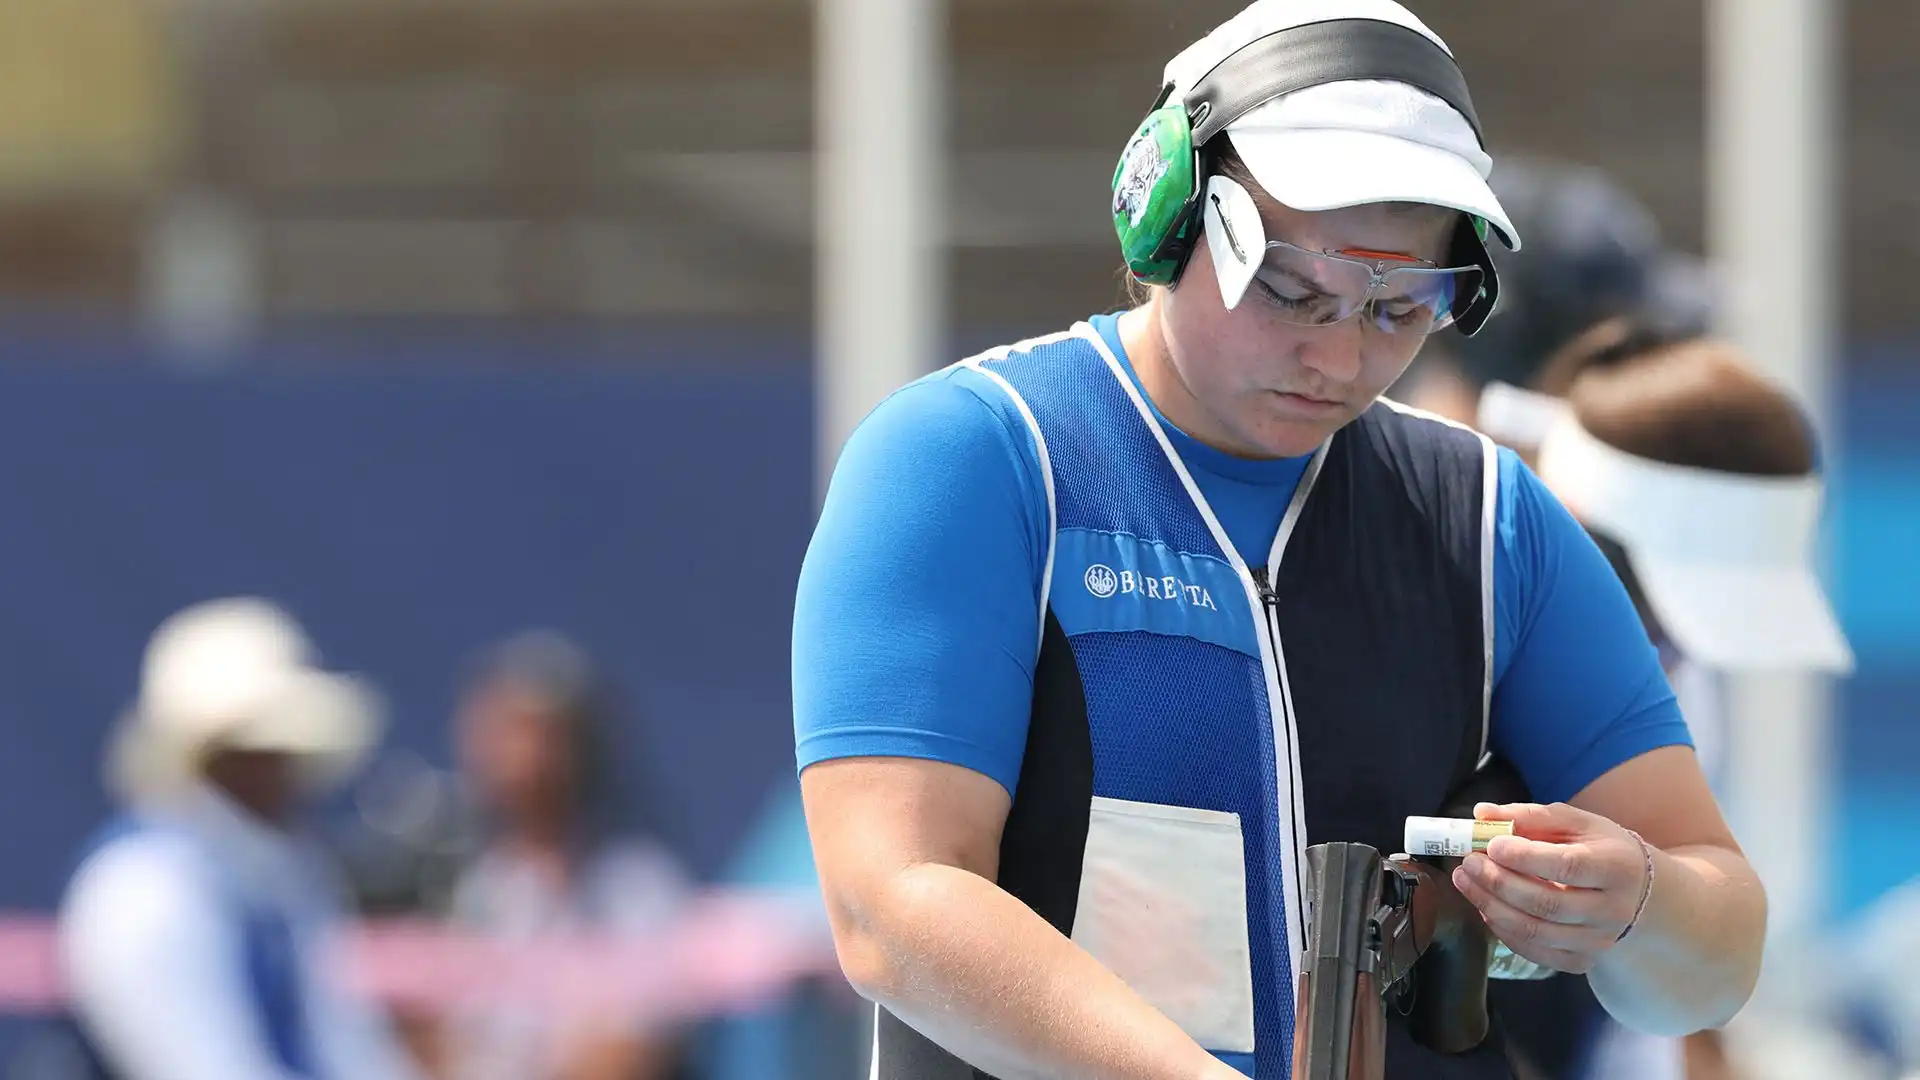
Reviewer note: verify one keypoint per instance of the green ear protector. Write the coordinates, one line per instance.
(1158, 182)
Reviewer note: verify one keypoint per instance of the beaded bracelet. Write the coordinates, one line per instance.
(1646, 891)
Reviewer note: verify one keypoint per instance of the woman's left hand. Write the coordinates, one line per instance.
(1562, 888)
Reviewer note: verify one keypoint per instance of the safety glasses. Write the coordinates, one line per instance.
(1398, 294)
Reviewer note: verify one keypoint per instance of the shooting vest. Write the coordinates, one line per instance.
(1197, 723)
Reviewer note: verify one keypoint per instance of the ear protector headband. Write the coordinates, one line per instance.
(1158, 184)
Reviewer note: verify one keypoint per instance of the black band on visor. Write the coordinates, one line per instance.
(1338, 50)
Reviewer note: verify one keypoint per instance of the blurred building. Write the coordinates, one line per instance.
(650, 158)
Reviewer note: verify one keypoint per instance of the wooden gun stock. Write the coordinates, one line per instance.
(1449, 1012)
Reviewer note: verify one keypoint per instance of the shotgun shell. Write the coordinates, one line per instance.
(1452, 837)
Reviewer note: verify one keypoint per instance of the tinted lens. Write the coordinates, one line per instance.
(1313, 289)
(1420, 300)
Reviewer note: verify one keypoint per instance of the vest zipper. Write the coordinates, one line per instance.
(1267, 596)
(1284, 731)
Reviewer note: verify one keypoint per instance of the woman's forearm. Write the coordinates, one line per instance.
(1692, 960)
(983, 976)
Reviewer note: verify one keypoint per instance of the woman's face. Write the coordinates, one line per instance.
(514, 747)
(1250, 381)
(264, 782)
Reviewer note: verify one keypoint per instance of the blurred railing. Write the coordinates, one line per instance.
(729, 953)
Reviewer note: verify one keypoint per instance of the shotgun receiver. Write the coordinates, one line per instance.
(1392, 931)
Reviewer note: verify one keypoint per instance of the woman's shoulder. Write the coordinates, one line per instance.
(955, 409)
(955, 438)
(974, 401)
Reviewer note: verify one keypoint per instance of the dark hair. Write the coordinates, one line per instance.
(1606, 344)
(1666, 395)
(1594, 252)
(562, 676)
(1658, 392)
(1659, 389)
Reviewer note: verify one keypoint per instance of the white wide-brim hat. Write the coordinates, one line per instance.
(240, 674)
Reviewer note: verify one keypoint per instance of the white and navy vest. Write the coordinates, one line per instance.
(1198, 723)
(269, 953)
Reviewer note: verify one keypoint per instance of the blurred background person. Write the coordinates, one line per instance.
(532, 741)
(194, 932)
(1594, 252)
(1700, 481)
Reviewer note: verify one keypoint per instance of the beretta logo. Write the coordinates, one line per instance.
(1103, 582)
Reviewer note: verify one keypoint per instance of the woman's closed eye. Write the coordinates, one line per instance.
(1402, 310)
(1303, 303)
(1289, 294)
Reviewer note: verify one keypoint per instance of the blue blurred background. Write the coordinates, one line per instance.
(439, 322)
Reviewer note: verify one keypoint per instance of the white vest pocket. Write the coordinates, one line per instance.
(1163, 905)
